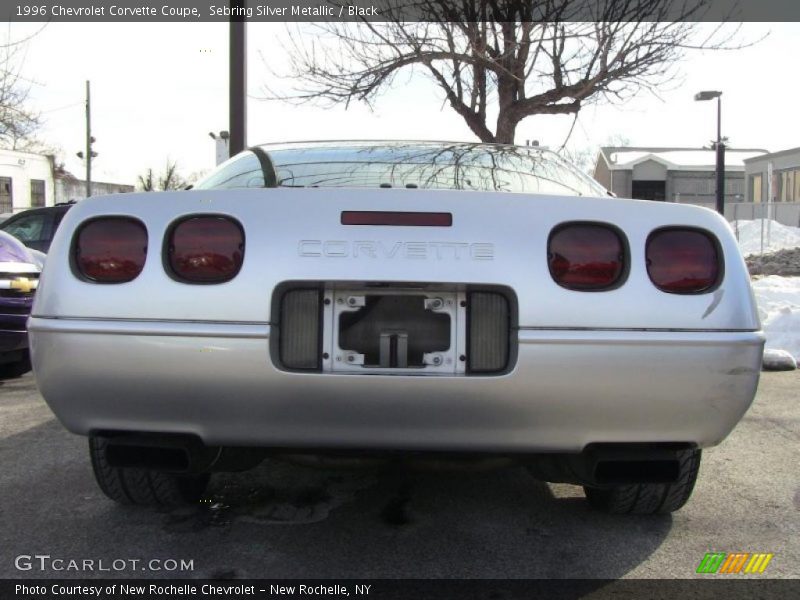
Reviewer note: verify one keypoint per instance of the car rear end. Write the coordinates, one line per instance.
(349, 304)
(466, 334)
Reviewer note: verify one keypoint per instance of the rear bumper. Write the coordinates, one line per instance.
(567, 389)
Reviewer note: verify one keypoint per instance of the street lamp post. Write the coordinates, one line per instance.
(719, 146)
(237, 83)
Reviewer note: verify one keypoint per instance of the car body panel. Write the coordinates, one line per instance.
(567, 389)
(294, 234)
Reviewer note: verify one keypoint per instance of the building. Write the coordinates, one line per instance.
(686, 175)
(26, 180)
(29, 180)
(68, 187)
(785, 167)
(776, 198)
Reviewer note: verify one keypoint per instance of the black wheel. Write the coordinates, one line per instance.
(143, 486)
(649, 498)
(17, 368)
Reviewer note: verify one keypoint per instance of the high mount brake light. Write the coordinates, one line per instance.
(586, 256)
(682, 260)
(111, 249)
(205, 249)
(398, 219)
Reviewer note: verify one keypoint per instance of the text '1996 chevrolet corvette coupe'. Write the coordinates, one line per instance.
(397, 298)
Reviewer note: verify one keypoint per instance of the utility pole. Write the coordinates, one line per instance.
(237, 80)
(89, 154)
(88, 141)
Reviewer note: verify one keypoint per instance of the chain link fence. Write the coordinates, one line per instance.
(785, 213)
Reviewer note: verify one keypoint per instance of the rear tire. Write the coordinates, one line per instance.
(144, 487)
(649, 498)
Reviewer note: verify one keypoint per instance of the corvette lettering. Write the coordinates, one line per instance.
(390, 250)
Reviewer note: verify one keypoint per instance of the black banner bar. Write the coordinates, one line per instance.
(713, 587)
(404, 10)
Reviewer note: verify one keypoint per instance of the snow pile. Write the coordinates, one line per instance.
(778, 301)
(778, 360)
(780, 236)
(784, 262)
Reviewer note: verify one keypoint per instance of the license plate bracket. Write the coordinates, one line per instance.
(394, 331)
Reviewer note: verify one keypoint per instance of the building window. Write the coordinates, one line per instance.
(755, 185)
(787, 186)
(733, 187)
(797, 185)
(6, 195)
(649, 190)
(37, 193)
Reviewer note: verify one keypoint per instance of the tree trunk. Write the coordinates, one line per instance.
(506, 128)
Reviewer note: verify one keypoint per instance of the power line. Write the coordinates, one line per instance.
(49, 110)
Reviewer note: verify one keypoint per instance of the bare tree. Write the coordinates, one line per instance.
(18, 122)
(145, 181)
(504, 60)
(169, 179)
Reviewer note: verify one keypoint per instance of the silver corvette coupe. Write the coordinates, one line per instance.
(397, 298)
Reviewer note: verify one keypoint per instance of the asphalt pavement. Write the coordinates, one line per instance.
(289, 521)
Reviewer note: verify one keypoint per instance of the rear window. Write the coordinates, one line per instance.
(242, 171)
(33, 227)
(460, 166)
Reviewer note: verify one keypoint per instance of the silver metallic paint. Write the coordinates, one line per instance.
(629, 365)
(275, 220)
(568, 389)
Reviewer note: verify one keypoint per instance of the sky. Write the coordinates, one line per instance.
(159, 89)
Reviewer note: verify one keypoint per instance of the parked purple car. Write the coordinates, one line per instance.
(19, 277)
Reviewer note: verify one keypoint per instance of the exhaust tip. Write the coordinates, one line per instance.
(636, 471)
(148, 457)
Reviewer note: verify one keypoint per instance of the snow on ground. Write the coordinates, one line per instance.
(776, 236)
(778, 298)
(778, 301)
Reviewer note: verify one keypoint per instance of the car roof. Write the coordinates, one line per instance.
(62, 207)
(292, 145)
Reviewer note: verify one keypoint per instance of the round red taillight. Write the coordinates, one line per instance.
(110, 249)
(682, 260)
(586, 256)
(205, 249)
